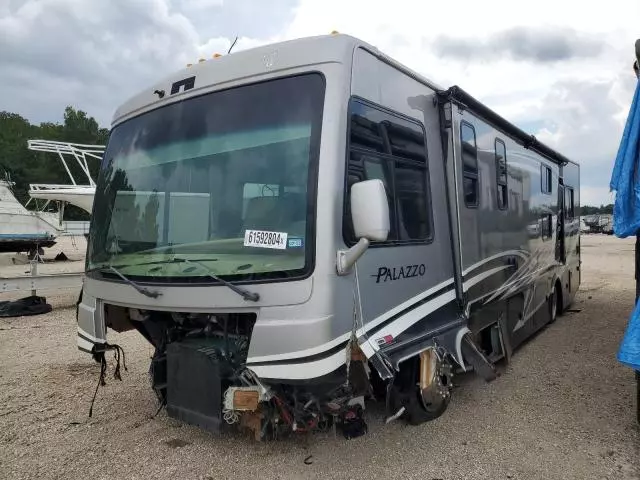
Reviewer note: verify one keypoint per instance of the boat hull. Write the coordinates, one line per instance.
(81, 197)
(20, 229)
(25, 243)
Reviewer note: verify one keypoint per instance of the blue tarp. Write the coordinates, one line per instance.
(629, 351)
(626, 210)
(626, 215)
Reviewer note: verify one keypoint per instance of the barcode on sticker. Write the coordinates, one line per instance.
(265, 239)
(295, 242)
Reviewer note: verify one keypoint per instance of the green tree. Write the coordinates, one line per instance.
(601, 210)
(26, 166)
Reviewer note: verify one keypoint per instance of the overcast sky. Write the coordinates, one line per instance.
(558, 70)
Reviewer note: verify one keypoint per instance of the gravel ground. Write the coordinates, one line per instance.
(563, 409)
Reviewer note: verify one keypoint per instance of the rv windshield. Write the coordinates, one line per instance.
(225, 179)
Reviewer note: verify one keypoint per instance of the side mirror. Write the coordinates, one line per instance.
(370, 210)
(370, 217)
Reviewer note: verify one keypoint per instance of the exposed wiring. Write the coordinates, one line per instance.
(118, 354)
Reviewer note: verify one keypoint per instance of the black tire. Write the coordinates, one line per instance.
(415, 412)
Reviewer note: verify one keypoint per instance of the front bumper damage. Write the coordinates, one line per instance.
(201, 375)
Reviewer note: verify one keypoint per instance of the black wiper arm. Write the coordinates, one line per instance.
(143, 290)
(246, 294)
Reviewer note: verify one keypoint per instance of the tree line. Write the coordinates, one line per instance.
(602, 209)
(24, 166)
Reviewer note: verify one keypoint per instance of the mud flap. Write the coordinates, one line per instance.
(505, 339)
(480, 363)
(387, 361)
(376, 357)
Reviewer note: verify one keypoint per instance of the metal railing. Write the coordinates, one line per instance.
(80, 152)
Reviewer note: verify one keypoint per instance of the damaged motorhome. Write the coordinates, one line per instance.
(298, 227)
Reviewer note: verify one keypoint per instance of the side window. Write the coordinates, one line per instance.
(569, 205)
(546, 179)
(393, 149)
(469, 164)
(502, 194)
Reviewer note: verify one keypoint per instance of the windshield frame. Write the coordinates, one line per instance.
(98, 271)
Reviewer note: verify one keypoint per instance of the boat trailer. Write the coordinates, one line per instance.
(35, 281)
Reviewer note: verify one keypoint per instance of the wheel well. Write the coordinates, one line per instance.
(558, 292)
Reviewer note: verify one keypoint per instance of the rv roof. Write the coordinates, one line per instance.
(458, 96)
(267, 60)
(258, 62)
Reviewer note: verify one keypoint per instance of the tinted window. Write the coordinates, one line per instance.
(569, 206)
(469, 164)
(393, 149)
(546, 179)
(366, 133)
(411, 201)
(501, 174)
(196, 177)
(406, 140)
(373, 129)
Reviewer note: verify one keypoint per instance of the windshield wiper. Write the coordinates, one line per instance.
(246, 294)
(143, 290)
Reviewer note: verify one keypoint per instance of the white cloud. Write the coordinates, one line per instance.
(565, 69)
(95, 54)
(582, 100)
(200, 4)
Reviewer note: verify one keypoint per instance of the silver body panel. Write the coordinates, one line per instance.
(382, 84)
(491, 236)
(303, 325)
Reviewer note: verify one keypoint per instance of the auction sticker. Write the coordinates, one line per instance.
(264, 239)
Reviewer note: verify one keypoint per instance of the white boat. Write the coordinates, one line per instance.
(80, 195)
(22, 230)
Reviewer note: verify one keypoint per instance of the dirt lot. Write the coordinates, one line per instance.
(564, 409)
